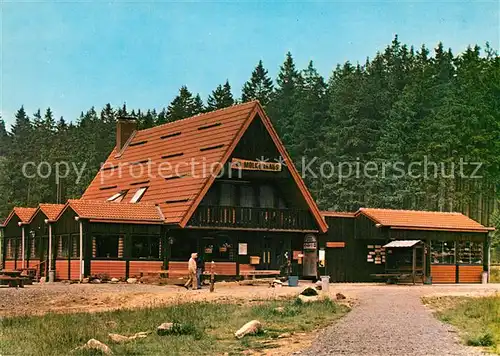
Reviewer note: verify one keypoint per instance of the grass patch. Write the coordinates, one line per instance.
(477, 318)
(200, 328)
(495, 274)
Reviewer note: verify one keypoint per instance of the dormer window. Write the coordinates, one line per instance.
(138, 195)
(118, 197)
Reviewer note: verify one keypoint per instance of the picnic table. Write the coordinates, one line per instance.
(12, 278)
(255, 273)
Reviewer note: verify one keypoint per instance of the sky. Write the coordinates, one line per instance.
(70, 55)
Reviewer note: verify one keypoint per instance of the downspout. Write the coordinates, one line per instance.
(22, 243)
(50, 247)
(81, 247)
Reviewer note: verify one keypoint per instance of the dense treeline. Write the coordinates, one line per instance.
(408, 125)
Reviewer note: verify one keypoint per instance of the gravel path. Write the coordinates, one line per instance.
(389, 321)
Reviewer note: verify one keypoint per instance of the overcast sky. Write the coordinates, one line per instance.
(74, 55)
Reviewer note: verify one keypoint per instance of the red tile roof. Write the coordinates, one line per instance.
(115, 212)
(24, 214)
(51, 211)
(150, 155)
(422, 220)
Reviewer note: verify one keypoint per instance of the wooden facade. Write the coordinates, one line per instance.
(350, 240)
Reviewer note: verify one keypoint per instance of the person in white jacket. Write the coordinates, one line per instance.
(192, 272)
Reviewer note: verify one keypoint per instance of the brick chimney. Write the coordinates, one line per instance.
(125, 126)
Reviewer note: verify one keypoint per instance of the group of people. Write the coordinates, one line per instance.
(195, 271)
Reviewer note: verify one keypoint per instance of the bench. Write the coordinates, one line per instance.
(259, 273)
(12, 281)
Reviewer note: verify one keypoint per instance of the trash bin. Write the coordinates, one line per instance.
(325, 282)
(52, 276)
(293, 281)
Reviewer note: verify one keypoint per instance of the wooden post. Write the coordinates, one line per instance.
(212, 276)
(22, 245)
(414, 263)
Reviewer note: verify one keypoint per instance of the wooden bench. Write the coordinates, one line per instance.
(259, 273)
(12, 281)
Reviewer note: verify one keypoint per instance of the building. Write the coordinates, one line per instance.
(455, 246)
(222, 184)
(219, 183)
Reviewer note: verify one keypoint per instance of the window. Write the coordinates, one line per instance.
(443, 252)
(266, 196)
(10, 248)
(75, 246)
(63, 246)
(227, 195)
(219, 248)
(182, 247)
(210, 198)
(106, 246)
(469, 252)
(33, 247)
(247, 196)
(146, 247)
(138, 195)
(118, 197)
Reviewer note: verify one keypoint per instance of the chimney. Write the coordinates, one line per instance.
(125, 127)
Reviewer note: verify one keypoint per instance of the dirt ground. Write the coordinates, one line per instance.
(69, 298)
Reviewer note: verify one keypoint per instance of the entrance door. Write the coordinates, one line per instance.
(272, 252)
(335, 264)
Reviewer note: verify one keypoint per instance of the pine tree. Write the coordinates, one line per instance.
(220, 98)
(4, 138)
(259, 87)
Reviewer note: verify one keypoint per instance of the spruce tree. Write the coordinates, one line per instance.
(220, 98)
(259, 87)
(184, 105)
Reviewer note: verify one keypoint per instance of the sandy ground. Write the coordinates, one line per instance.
(397, 306)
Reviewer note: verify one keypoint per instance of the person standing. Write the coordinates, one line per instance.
(192, 272)
(199, 270)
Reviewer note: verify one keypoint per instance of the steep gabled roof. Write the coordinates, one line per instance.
(103, 211)
(24, 214)
(51, 211)
(423, 220)
(194, 145)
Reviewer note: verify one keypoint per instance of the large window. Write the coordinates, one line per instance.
(10, 248)
(469, 252)
(75, 246)
(266, 196)
(106, 246)
(443, 252)
(227, 194)
(217, 248)
(247, 196)
(182, 247)
(146, 247)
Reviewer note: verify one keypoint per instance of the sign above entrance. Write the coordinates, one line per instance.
(237, 163)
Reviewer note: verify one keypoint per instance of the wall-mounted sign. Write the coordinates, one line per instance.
(335, 244)
(237, 163)
(242, 249)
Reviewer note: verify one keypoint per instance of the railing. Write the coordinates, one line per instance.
(261, 218)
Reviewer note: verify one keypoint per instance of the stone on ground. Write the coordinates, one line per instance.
(95, 345)
(132, 280)
(115, 280)
(308, 299)
(164, 328)
(309, 292)
(340, 296)
(250, 328)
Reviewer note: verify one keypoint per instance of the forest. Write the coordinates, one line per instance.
(404, 104)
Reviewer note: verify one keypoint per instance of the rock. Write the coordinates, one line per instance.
(114, 280)
(250, 328)
(309, 292)
(120, 339)
(284, 335)
(276, 283)
(95, 281)
(308, 299)
(164, 328)
(340, 296)
(318, 285)
(279, 309)
(85, 280)
(94, 344)
(132, 280)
